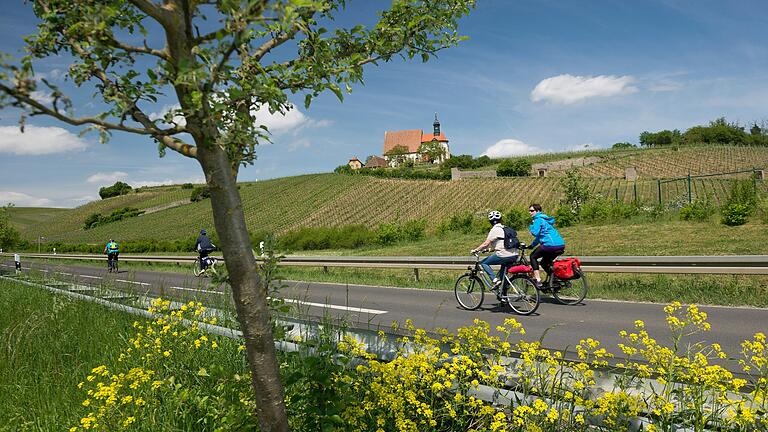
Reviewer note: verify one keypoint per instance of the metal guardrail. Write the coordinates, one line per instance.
(726, 264)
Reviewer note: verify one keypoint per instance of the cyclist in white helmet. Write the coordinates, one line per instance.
(495, 241)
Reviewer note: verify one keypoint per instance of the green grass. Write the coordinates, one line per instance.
(24, 217)
(48, 344)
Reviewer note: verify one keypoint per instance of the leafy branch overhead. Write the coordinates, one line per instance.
(224, 60)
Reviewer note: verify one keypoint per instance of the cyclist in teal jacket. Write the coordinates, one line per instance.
(545, 235)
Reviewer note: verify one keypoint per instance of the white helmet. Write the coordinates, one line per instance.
(494, 215)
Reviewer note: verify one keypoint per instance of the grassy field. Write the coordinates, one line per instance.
(286, 203)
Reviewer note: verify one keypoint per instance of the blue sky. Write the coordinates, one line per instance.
(534, 76)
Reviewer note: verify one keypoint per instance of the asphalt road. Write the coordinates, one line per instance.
(377, 307)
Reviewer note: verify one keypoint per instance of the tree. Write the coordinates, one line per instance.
(250, 54)
(117, 189)
(9, 236)
(514, 168)
(623, 146)
(433, 150)
(397, 154)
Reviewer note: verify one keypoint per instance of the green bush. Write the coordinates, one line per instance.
(575, 191)
(9, 236)
(699, 210)
(96, 219)
(600, 209)
(200, 193)
(465, 223)
(735, 214)
(743, 192)
(517, 218)
(514, 168)
(565, 217)
(187, 186)
(117, 189)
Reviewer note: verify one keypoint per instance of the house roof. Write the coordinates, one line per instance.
(376, 162)
(410, 139)
(354, 159)
(430, 137)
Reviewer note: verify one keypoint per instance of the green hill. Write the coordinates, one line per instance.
(284, 204)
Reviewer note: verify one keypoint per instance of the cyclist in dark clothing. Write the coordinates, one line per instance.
(551, 244)
(204, 246)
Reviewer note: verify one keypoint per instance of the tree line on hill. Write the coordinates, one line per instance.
(717, 132)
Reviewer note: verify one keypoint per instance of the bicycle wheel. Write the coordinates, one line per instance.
(469, 292)
(196, 267)
(522, 295)
(571, 292)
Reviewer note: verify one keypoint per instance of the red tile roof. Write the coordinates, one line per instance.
(410, 139)
(429, 137)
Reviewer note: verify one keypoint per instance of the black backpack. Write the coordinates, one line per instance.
(510, 238)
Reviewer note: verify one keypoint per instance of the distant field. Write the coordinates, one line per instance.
(284, 204)
(24, 217)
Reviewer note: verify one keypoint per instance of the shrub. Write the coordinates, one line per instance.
(575, 191)
(465, 223)
(564, 217)
(514, 168)
(699, 210)
(96, 219)
(623, 146)
(743, 192)
(117, 189)
(599, 209)
(517, 218)
(735, 214)
(9, 236)
(200, 193)
(187, 186)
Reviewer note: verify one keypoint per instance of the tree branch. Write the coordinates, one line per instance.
(163, 54)
(152, 9)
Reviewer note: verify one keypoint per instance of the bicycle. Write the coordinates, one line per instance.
(112, 263)
(521, 293)
(210, 266)
(566, 291)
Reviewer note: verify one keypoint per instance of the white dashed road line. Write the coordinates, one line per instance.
(197, 290)
(132, 282)
(330, 306)
(68, 274)
(91, 277)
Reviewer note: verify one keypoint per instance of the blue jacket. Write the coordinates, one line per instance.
(544, 232)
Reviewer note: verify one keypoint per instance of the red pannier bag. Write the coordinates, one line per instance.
(520, 269)
(565, 268)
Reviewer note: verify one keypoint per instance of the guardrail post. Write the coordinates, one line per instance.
(325, 269)
(416, 274)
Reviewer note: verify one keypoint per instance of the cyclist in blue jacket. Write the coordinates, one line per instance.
(550, 243)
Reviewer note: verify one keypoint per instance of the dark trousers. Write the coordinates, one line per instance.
(203, 255)
(547, 255)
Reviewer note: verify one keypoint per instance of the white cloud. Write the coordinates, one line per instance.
(177, 118)
(41, 96)
(38, 140)
(277, 123)
(23, 200)
(107, 177)
(509, 148)
(567, 89)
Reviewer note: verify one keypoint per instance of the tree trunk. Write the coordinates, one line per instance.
(248, 290)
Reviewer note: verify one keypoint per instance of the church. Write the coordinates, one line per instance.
(403, 145)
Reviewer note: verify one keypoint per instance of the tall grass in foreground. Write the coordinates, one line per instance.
(48, 344)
